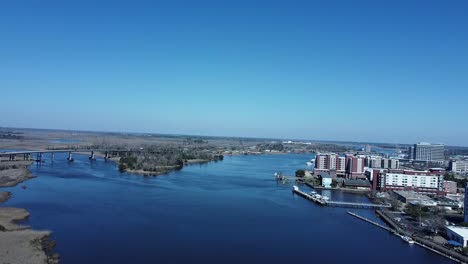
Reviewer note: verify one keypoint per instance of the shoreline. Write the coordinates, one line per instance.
(20, 243)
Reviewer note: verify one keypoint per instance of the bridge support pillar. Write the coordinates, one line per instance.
(39, 158)
(70, 158)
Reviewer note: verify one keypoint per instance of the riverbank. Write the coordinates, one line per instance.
(4, 196)
(19, 243)
(13, 173)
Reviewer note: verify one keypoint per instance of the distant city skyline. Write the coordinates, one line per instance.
(361, 71)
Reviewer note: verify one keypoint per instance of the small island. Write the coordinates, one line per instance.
(157, 160)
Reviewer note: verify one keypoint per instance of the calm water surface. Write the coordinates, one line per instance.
(231, 212)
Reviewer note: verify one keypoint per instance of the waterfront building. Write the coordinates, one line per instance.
(459, 166)
(326, 180)
(458, 234)
(428, 152)
(326, 162)
(418, 181)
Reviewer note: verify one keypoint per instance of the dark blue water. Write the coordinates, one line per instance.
(226, 212)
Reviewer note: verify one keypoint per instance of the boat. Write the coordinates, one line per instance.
(407, 239)
(313, 193)
(325, 198)
(310, 163)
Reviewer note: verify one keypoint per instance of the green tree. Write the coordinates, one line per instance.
(122, 167)
(300, 173)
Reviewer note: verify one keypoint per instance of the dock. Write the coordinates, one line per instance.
(357, 205)
(308, 196)
(324, 202)
(372, 222)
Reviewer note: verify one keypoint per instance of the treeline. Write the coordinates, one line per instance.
(10, 136)
(162, 158)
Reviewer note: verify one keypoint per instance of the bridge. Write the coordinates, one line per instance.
(27, 154)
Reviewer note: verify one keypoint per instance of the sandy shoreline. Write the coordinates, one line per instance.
(19, 243)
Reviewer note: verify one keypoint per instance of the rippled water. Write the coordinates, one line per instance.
(231, 211)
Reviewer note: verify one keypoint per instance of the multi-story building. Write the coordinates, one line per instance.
(428, 152)
(326, 162)
(418, 181)
(460, 166)
(355, 166)
(373, 162)
(377, 162)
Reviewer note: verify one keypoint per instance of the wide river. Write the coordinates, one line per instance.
(231, 211)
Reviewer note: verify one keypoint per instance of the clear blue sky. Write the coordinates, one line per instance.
(382, 71)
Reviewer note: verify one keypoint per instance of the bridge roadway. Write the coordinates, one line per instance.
(27, 153)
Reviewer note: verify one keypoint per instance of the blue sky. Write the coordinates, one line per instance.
(381, 71)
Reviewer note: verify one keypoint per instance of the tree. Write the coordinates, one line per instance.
(122, 167)
(300, 173)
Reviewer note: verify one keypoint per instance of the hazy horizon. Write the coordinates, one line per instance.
(358, 71)
(227, 136)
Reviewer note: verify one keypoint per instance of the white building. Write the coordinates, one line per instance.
(428, 152)
(326, 180)
(458, 233)
(459, 166)
(420, 181)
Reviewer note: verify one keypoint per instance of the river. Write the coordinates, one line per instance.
(231, 211)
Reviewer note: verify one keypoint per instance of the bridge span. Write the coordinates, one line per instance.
(28, 154)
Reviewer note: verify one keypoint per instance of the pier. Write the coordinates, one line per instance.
(308, 196)
(324, 202)
(357, 205)
(372, 222)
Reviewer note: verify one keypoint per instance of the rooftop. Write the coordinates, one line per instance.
(357, 183)
(462, 231)
(410, 195)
